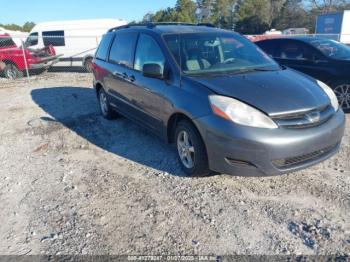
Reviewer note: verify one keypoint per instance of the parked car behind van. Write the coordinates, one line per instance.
(225, 104)
(75, 40)
(323, 59)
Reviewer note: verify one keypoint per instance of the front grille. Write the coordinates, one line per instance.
(302, 159)
(305, 119)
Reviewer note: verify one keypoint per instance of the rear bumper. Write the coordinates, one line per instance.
(247, 151)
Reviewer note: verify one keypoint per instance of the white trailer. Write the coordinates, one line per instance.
(76, 40)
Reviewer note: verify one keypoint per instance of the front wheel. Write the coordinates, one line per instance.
(342, 91)
(191, 150)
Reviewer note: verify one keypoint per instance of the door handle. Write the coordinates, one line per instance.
(121, 75)
(117, 74)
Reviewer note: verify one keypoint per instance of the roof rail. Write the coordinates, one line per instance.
(154, 24)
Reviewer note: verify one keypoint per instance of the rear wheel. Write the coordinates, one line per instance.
(106, 110)
(342, 91)
(191, 150)
(11, 72)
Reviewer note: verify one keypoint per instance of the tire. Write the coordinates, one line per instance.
(342, 91)
(105, 108)
(195, 149)
(11, 72)
(88, 64)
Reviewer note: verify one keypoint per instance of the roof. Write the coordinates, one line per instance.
(178, 29)
(3, 33)
(173, 28)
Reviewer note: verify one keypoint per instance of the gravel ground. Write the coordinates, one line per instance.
(74, 183)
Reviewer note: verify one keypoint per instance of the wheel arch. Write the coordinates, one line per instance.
(172, 122)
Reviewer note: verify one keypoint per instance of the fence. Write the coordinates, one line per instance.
(23, 57)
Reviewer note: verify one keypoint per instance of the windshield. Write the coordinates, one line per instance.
(332, 48)
(217, 53)
(6, 41)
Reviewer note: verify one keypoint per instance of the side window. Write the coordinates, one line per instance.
(55, 38)
(122, 50)
(32, 39)
(6, 41)
(148, 52)
(309, 53)
(297, 50)
(268, 47)
(291, 50)
(102, 51)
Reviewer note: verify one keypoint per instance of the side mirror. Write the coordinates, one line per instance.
(153, 71)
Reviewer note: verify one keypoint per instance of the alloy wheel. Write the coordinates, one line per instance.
(185, 149)
(343, 94)
(103, 103)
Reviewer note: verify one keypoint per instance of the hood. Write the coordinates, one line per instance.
(274, 92)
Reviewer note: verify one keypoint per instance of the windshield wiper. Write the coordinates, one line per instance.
(257, 69)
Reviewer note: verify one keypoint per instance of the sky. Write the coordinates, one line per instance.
(21, 11)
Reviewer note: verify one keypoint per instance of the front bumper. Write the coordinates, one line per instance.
(247, 151)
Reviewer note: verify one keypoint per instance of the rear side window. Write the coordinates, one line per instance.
(122, 50)
(102, 51)
(55, 38)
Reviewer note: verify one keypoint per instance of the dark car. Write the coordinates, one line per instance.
(323, 59)
(227, 106)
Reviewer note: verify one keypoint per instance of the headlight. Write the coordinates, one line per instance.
(240, 113)
(330, 94)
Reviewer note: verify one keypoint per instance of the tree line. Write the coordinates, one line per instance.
(249, 16)
(244, 16)
(25, 28)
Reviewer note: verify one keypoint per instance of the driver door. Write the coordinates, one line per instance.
(151, 93)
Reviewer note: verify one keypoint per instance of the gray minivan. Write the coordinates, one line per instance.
(226, 105)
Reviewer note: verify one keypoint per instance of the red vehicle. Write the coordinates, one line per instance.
(14, 61)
